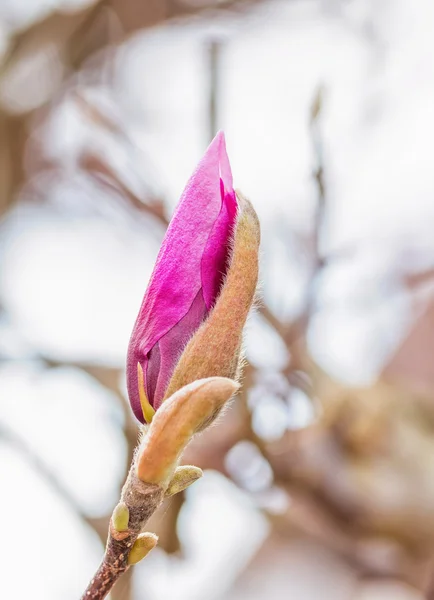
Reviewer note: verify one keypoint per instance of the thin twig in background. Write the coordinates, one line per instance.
(214, 86)
(41, 468)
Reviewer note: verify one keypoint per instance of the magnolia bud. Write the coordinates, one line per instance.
(174, 425)
(141, 547)
(184, 476)
(120, 517)
(186, 281)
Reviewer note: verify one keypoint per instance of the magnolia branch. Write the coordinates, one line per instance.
(203, 378)
(155, 474)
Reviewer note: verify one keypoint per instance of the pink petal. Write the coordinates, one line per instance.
(171, 346)
(216, 254)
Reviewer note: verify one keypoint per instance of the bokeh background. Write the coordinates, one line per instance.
(319, 481)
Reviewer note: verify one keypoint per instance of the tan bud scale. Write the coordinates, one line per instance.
(214, 350)
(174, 425)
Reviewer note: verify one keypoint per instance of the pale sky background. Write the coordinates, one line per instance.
(72, 282)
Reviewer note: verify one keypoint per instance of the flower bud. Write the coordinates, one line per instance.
(183, 477)
(174, 425)
(186, 280)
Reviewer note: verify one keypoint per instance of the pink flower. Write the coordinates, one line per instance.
(186, 280)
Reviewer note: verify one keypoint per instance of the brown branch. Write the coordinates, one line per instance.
(106, 176)
(293, 333)
(142, 500)
(12, 142)
(154, 473)
(317, 143)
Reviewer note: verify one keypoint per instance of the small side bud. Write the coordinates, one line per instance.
(175, 423)
(120, 517)
(183, 478)
(141, 547)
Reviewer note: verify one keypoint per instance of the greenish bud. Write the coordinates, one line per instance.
(141, 547)
(184, 476)
(120, 517)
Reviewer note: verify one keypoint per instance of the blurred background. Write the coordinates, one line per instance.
(319, 480)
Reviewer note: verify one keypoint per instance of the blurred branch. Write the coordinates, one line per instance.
(214, 85)
(76, 36)
(109, 378)
(298, 328)
(419, 278)
(41, 468)
(293, 333)
(106, 175)
(317, 144)
(95, 166)
(12, 142)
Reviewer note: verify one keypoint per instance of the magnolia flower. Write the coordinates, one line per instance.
(192, 272)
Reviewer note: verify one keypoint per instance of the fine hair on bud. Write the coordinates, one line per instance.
(215, 349)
